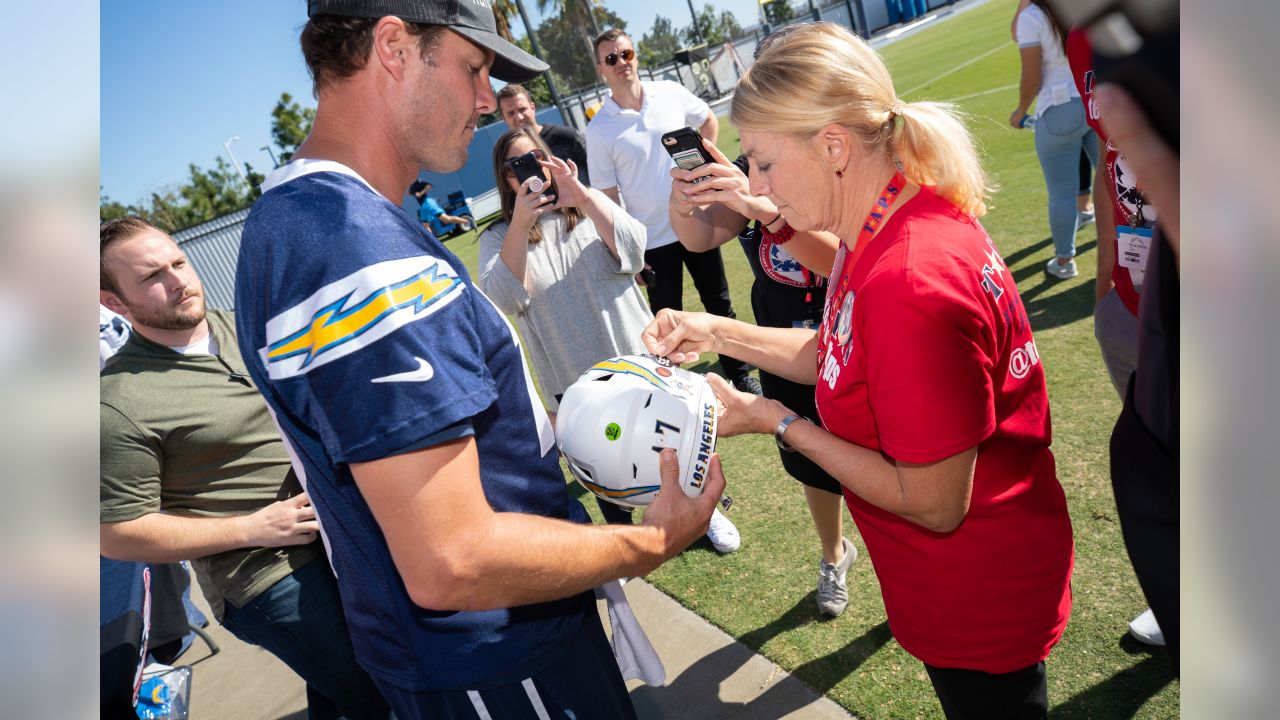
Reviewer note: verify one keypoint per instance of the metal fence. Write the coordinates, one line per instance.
(214, 248)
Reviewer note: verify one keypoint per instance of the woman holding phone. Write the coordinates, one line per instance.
(565, 271)
(933, 411)
(712, 205)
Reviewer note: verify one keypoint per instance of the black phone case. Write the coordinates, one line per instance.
(685, 147)
(525, 167)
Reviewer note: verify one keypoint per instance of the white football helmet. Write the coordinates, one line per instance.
(620, 414)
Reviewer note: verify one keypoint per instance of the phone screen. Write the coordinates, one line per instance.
(689, 159)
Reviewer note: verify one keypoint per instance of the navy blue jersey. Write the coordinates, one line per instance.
(368, 340)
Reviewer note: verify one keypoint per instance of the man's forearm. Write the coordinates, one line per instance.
(710, 127)
(455, 552)
(159, 537)
(518, 559)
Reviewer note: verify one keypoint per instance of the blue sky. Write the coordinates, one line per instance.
(180, 78)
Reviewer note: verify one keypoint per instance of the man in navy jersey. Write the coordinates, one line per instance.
(465, 567)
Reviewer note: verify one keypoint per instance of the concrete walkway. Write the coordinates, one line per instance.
(710, 675)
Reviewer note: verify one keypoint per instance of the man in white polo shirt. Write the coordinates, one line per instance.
(627, 160)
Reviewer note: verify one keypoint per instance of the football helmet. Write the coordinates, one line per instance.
(620, 414)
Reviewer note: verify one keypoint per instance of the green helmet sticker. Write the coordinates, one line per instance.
(612, 431)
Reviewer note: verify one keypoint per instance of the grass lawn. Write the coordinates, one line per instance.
(763, 594)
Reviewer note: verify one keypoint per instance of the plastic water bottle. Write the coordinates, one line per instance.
(1027, 123)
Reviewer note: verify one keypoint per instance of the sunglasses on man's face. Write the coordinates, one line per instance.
(612, 58)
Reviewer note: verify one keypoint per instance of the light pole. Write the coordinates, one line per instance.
(697, 32)
(565, 116)
(274, 163)
(239, 170)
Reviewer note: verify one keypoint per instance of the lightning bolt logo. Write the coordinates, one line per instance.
(630, 368)
(336, 323)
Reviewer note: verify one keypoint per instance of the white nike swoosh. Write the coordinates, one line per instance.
(424, 373)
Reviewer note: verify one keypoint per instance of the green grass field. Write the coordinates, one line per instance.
(763, 594)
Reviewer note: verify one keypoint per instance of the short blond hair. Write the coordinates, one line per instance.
(821, 74)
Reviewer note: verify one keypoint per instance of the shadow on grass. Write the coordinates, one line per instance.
(1032, 249)
(1037, 267)
(1063, 308)
(1122, 694)
(697, 683)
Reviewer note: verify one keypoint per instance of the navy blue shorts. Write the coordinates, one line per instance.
(799, 398)
(583, 684)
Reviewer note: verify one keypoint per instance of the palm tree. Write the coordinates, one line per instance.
(578, 10)
(502, 12)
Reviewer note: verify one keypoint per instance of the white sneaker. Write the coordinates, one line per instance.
(1062, 272)
(1146, 630)
(723, 534)
(1085, 217)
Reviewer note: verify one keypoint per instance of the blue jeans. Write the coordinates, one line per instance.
(1061, 132)
(300, 621)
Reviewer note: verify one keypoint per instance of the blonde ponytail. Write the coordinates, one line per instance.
(821, 74)
(936, 149)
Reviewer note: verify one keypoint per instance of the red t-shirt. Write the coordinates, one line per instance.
(1123, 189)
(937, 357)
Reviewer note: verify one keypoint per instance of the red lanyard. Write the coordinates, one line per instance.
(846, 260)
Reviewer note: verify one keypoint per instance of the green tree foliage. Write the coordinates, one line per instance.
(659, 44)
(778, 12)
(205, 195)
(503, 11)
(109, 209)
(569, 50)
(716, 28)
(584, 15)
(290, 124)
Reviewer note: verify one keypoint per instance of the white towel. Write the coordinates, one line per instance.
(635, 654)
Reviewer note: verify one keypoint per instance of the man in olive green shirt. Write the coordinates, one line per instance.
(193, 467)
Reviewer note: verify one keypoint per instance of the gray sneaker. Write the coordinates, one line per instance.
(1062, 272)
(833, 594)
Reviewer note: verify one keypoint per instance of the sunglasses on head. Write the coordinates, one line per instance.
(510, 172)
(612, 58)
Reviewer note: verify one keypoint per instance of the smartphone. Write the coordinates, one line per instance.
(526, 166)
(1135, 44)
(649, 276)
(685, 147)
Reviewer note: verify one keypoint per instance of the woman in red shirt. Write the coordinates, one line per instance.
(930, 391)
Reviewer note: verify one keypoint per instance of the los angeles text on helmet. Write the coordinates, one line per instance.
(705, 443)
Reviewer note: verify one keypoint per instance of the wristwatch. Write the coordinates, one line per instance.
(781, 430)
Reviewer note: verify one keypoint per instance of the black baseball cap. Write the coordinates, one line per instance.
(418, 186)
(472, 19)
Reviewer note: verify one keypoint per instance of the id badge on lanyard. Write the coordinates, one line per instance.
(1133, 245)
